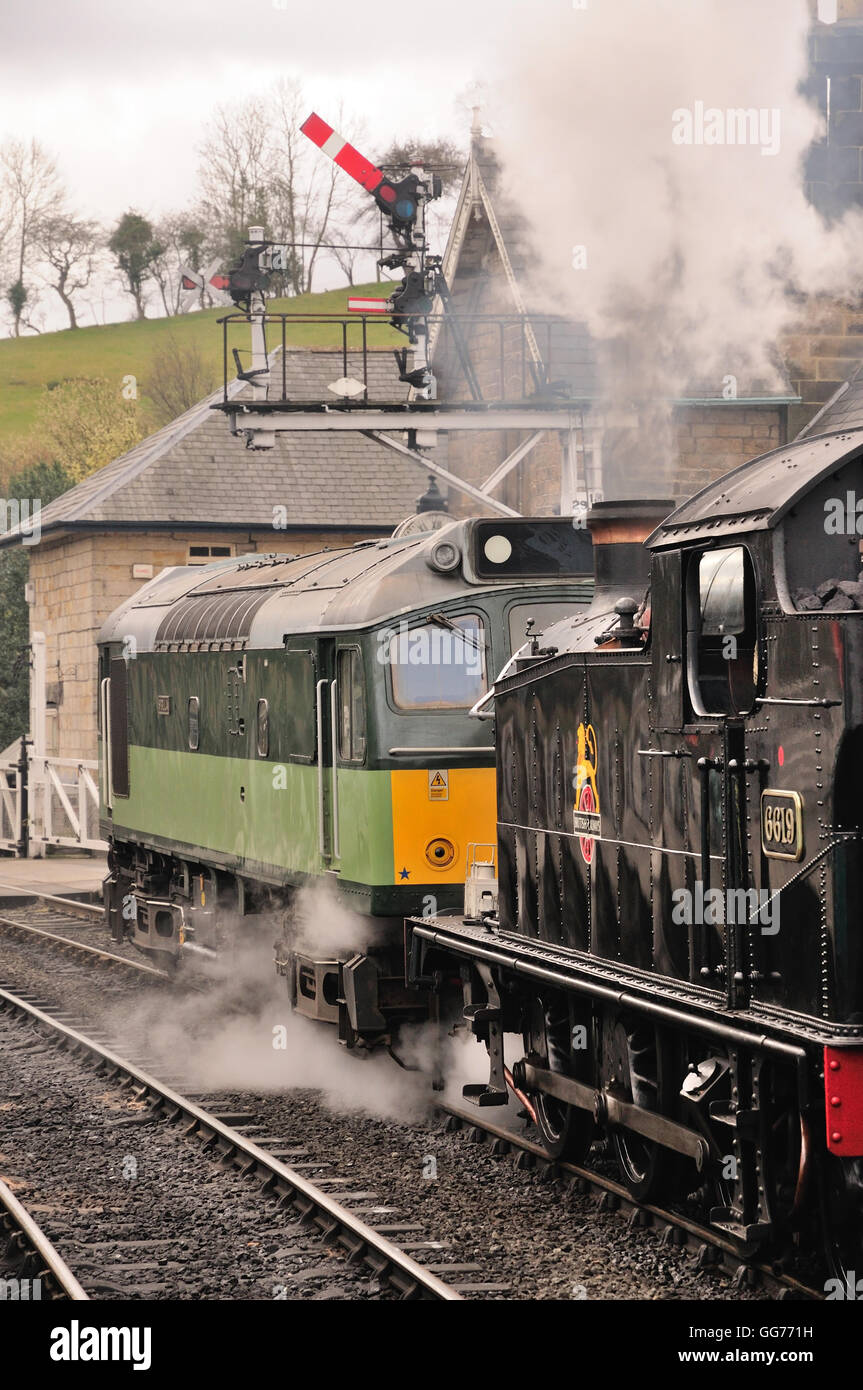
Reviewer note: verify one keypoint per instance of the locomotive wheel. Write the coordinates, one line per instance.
(638, 1065)
(841, 1205)
(566, 1131)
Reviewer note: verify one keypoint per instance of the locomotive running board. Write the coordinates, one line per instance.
(609, 1109)
(682, 1008)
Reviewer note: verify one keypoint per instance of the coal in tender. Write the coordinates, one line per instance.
(806, 601)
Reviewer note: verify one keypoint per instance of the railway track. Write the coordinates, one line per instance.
(51, 918)
(711, 1250)
(48, 917)
(317, 1209)
(39, 1268)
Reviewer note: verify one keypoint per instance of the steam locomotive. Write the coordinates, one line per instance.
(676, 932)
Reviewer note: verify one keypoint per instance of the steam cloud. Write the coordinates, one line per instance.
(221, 1038)
(697, 254)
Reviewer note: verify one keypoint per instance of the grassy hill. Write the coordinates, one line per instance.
(115, 350)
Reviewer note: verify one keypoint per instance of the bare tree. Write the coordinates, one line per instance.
(310, 192)
(236, 172)
(32, 191)
(70, 246)
(343, 252)
(259, 169)
(178, 378)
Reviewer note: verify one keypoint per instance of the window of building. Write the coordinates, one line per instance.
(723, 632)
(203, 554)
(352, 705)
(439, 663)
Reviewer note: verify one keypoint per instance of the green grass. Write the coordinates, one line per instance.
(115, 350)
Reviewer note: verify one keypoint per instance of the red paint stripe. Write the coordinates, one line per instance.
(348, 158)
(317, 130)
(358, 166)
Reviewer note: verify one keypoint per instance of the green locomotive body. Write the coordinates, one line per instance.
(270, 721)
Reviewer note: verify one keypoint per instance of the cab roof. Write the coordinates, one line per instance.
(254, 601)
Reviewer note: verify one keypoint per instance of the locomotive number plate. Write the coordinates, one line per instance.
(782, 825)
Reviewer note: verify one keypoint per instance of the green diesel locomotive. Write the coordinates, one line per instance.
(271, 721)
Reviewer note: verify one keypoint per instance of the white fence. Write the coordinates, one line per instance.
(10, 804)
(63, 803)
(55, 803)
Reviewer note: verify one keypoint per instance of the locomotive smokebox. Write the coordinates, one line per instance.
(618, 530)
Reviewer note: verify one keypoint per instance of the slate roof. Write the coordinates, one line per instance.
(843, 411)
(195, 472)
(309, 372)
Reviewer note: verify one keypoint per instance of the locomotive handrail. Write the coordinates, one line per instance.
(823, 703)
(411, 750)
(474, 711)
(319, 719)
(334, 712)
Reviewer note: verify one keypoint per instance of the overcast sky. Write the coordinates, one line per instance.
(119, 91)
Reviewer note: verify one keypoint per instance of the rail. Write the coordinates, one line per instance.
(510, 370)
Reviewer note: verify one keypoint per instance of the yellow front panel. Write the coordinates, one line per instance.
(430, 834)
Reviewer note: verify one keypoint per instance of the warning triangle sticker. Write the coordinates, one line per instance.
(437, 781)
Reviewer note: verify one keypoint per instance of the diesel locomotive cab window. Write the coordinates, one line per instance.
(352, 705)
(723, 634)
(440, 663)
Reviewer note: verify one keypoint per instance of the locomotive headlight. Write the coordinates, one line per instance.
(497, 549)
(444, 557)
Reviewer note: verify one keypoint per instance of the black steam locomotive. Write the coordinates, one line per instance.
(677, 935)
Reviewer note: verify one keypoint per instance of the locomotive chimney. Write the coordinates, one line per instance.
(618, 530)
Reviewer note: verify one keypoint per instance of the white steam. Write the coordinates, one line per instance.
(696, 254)
(239, 1033)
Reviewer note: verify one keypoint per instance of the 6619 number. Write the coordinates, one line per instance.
(782, 824)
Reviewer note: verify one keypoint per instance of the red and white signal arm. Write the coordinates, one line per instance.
(194, 282)
(356, 305)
